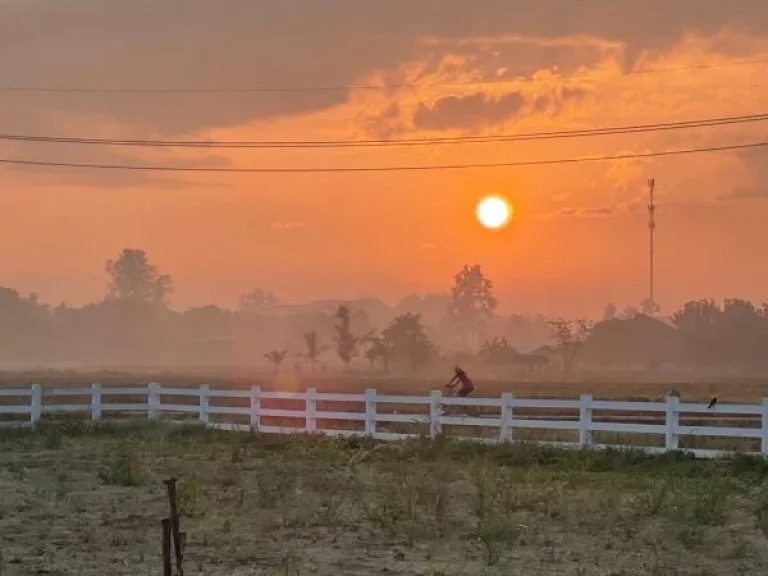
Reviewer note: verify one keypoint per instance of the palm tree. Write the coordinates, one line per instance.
(276, 357)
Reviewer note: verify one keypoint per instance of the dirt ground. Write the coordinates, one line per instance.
(81, 500)
(603, 386)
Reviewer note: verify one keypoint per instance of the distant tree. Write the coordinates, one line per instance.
(737, 332)
(25, 326)
(314, 349)
(258, 300)
(472, 300)
(629, 312)
(276, 357)
(378, 350)
(649, 307)
(346, 342)
(700, 316)
(498, 351)
(133, 278)
(407, 340)
(569, 336)
(360, 322)
(609, 313)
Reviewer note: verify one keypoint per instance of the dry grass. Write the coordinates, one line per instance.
(606, 386)
(83, 499)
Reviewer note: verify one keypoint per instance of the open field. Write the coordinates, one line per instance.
(733, 389)
(82, 499)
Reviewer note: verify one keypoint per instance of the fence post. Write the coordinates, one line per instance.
(435, 412)
(370, 413)
(36, 405)
(153, 401)
(205, 403)
(506, 433)
(256, 407)
(672, 420)
(310, 409)
(585, 420)
(95, 402)
(764, 440)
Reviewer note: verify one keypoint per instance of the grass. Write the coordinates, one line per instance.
(79, 498)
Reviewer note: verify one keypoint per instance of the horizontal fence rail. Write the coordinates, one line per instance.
(573, 423)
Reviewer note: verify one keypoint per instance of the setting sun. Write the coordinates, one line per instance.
(493, 212)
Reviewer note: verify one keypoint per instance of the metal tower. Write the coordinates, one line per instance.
(651, 229)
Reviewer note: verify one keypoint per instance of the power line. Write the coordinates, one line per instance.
(429, 167)
(284, 89)
(523, 136)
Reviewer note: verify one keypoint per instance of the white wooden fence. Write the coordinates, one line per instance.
(29, 405)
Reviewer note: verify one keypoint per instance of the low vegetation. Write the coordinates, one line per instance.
(77, 498)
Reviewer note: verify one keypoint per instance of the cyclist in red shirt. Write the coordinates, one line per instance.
(462, 386)
(461, 383)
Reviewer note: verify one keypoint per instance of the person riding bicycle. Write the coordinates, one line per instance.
(461, 383)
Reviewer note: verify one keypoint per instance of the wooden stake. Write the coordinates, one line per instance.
(167, 566)
(175, 530)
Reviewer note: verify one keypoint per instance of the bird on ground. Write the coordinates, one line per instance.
(712, 402)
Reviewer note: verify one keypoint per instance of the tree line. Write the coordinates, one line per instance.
(133, 324)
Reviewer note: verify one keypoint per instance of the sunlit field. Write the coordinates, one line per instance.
(82, 499)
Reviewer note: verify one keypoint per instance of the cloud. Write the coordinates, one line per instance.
(145, 161)
(566, 41)
(383, 125)
(745, 194)
(298, 43)
(286, 225)
(755, 186)
(588, 211)
(476, 111)
(469, 109)
(553, 102)
(577, 212)
(239, 43)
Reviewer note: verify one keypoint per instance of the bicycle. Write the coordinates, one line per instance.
(471, 411)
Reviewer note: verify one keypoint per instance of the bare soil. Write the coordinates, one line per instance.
(79, 499)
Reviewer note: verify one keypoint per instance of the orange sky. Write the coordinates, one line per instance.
(579, 238)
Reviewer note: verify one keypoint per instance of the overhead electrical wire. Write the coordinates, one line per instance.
(426, 167)
(523, 136)
(298, 89)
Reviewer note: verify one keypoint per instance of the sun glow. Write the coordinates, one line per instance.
(493, 212)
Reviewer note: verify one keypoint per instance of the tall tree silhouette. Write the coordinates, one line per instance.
(378, 350)
(408, 341)
(649, 307)
(312, 343)
(346, 342)
(276, 357)
(569, 336)
(472, 300)
(134, 279)
(609, 313)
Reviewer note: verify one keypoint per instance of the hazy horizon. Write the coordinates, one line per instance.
(579, 236)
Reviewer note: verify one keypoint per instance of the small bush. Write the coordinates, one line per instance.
(190, 498)
(274, 484)
(122, 471)
(493, 508)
